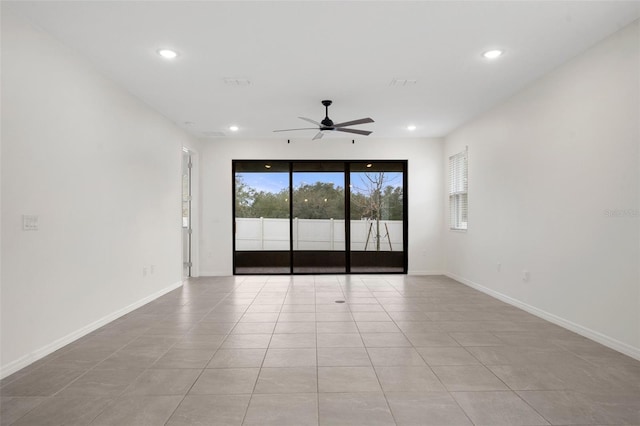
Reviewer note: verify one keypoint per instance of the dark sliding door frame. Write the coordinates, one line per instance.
(347, 219)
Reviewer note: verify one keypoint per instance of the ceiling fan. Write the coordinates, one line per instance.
(327, 124)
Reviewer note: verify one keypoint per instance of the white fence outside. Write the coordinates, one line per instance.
(315, 234)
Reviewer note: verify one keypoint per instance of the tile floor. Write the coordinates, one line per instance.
(278, 350)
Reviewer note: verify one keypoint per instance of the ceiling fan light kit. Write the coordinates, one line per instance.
(328, 125)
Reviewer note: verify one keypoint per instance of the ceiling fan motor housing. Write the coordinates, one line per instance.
(327, 124)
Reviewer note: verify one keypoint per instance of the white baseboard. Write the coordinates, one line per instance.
(32, 357)
(610, 342)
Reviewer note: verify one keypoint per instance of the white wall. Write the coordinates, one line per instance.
(102, 172)
(425, 189)
(546, 170)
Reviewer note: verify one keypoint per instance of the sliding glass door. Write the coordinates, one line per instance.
(261, 218)
(319, 217)
(377, 216)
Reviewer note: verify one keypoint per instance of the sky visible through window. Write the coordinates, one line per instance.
(274, 182)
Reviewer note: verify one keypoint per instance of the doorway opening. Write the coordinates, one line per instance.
(187, 230)
(319, 217)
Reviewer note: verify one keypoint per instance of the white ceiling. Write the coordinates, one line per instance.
(297, 53)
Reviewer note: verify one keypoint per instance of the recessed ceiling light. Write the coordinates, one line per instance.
(493, 54)
(411, 127)
(168, 53)
(233, 128)
(369, 165)
(267, 166)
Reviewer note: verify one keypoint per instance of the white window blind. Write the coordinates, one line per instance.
(458, 206)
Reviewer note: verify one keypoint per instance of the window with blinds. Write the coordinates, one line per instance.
(458, 205)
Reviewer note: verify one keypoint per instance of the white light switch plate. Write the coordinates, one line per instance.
(29, 222)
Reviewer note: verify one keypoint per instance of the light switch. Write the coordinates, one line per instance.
(29, 222)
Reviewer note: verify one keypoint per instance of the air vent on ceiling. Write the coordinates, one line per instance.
(236, 81)
(403, 82)
(214, 134)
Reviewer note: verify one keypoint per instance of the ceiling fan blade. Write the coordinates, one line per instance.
(310, 121)
(354, 122)
(290, 130)
(318, 135)
(357, 132)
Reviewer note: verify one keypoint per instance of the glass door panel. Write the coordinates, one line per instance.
(377, 217)
(318, 218)
(262, 226)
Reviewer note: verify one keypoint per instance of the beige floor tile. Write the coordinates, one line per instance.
(200, 341)
(385, 340)
(426, 409)
(44, 381)
(105, 383)
(337, 327)
(366, 307)
(185, 358)
(163, 382)
(246, 341)
(295, 327)
(371, 316)
(64, 411)
(431, 339)
(290, 341)
(377, 327)
(253, 309)
(238, 358)
(297, 317)
(347, 379)
(531, 377)
(333, 316)
(14, 407)
(339, 340)
(436, 355)
(282, 410)
(468, 378)
(138, 410)
(254, 328)
(571, 407)
(219, 410)
(225, 381)
(343, 357)
(497, 409)
(304, 357)
(351, 409)
(395, 357)
(262, 317)
(408, 379)
(287, 380)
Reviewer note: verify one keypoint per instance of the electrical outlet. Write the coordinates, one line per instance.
(499, 267)
(152, 269)
(144, 272)
(525, 276)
